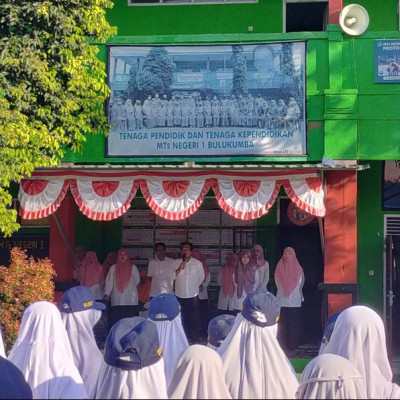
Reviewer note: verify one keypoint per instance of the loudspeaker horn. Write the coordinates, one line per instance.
(354, 19)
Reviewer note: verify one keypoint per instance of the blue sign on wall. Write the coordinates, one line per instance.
(387, 61)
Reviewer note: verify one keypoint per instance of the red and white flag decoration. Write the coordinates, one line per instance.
(39, 198)
(246, 199)
(103, 200)
(174, 199)
(307, 194)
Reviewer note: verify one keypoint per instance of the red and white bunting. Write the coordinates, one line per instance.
(103, 200)
(246, 199)
(40, 198)
(174, 199)
(307, 194)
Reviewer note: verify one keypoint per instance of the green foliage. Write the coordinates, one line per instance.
(22, 283)
(52, 86)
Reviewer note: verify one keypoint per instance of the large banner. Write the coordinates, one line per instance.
(214, 100)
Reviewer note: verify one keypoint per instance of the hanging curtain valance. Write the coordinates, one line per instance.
(173, 196)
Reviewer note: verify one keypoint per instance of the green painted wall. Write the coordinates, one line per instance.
(370, 235)
(264, 16)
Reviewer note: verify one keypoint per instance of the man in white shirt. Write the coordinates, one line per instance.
(189, 274)
(161, 272)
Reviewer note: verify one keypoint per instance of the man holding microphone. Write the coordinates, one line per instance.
(189, 274)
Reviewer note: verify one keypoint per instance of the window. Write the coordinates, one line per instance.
(306, 15)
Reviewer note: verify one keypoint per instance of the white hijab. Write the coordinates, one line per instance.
(173, 342)
(255, 365)
(87, 356)
(199, 375)
(329, 376)
(359, 336)
(43, 353)
(146, 383)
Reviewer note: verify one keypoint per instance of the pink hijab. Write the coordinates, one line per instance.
(260, 260)
(227, 273)
(288, 272)
(196, 254)
(90, 271)
(245, 274)
(123, 270)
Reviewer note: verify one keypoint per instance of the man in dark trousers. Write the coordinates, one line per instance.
(189, 274)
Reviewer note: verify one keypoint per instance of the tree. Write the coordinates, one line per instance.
(239, 81)
(156, 74)
(52, 86)
(23, 282)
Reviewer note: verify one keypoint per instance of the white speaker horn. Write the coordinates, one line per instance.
(354, 19)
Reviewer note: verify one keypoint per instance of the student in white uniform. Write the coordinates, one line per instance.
(160, 271)
(43, 354)
(80, 313)
(198, 375)
(121, 290)
(359, 335)
(329, 376)
(289, 280)
(255, 365)
(218, 329)
(262, 266)
(133, 366)
(227, 297)
(165, 312)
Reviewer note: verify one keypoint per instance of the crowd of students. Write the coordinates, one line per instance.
(56, 356)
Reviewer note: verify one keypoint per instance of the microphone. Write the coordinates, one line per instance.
(183, 257)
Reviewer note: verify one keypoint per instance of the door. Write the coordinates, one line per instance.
(305, 239)
(392, 285)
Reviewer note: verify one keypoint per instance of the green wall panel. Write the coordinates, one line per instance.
(341, 139)
(370, 235)
(172, 19)
(379, 140)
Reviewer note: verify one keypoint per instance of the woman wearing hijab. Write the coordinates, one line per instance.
(254, 363)
(329, 376)
(91, 274)
(359, 336)
(258, 261)
(227, 299)
(80, 313)
(121, 289)
(198, 375)
(245, 277)
(289, 280)
(133, 366)
(43, 354)
(203, 295)
(165, 312)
